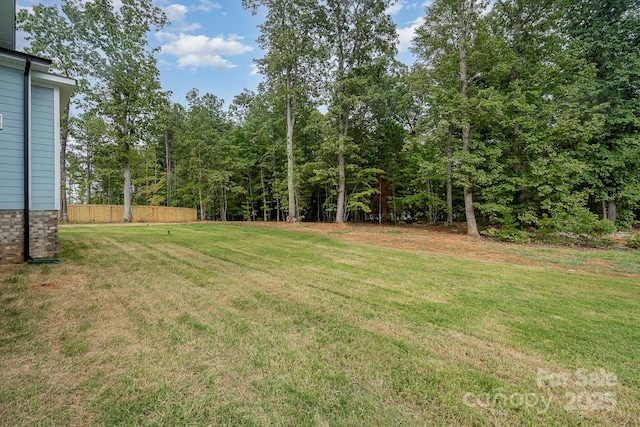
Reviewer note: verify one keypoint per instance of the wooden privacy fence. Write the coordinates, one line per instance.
(79, 214)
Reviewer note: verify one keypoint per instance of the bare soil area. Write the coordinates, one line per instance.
(421, 238)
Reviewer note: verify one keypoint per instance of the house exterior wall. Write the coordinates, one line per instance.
(43, 188)
(43, 166)
(48, 94)
(11, 139)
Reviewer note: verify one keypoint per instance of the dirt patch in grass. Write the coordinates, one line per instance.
(45, 286)
(420, 238)
(453, 241)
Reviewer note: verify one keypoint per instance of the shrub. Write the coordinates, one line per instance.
(634, 241)
(508, 235)
(582, 222)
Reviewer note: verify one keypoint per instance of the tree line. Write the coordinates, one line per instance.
(516, 115)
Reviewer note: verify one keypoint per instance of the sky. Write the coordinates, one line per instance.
(211, 45)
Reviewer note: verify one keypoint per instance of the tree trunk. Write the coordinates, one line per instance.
(326, 215)
(64, 134)
(318, 203)
(449, 178)
(341, 206)
(223, 203)
(128, 216)
(167, 154)
(88, 194)
(395, 212)
(292, 215)
(252, 210)
(127, 191)
(612, 214)
(298, 213)
(343, 123)
(379, 200)
(264, 196)
(472, 227)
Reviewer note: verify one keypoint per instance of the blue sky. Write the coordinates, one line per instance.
(210, 45)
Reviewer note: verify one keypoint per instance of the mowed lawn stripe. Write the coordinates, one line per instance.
(232, 325)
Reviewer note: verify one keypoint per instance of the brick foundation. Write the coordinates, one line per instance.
(11, 236)
(43, 235)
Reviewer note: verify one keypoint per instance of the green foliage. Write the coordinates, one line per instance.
(360, 37)
(509, 229)
(633, 241)
(291, 64)
(581, 221)
(364, 189)
(542, 133)
(606, 32)
(507, 235)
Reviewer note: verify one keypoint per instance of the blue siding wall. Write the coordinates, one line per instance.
(42, 149)
(11, 139)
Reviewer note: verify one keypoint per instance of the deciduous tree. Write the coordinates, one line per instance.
(361, 39)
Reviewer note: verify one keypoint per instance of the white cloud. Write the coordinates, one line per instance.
(19, 7)
(193, 60)
(207, 6)
(395, 8)
(406, 35)
(202, 51)
(254, 70)
(164, 36)
(177, 14)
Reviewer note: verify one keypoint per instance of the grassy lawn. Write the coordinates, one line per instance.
(234, 325)
(625, 262)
